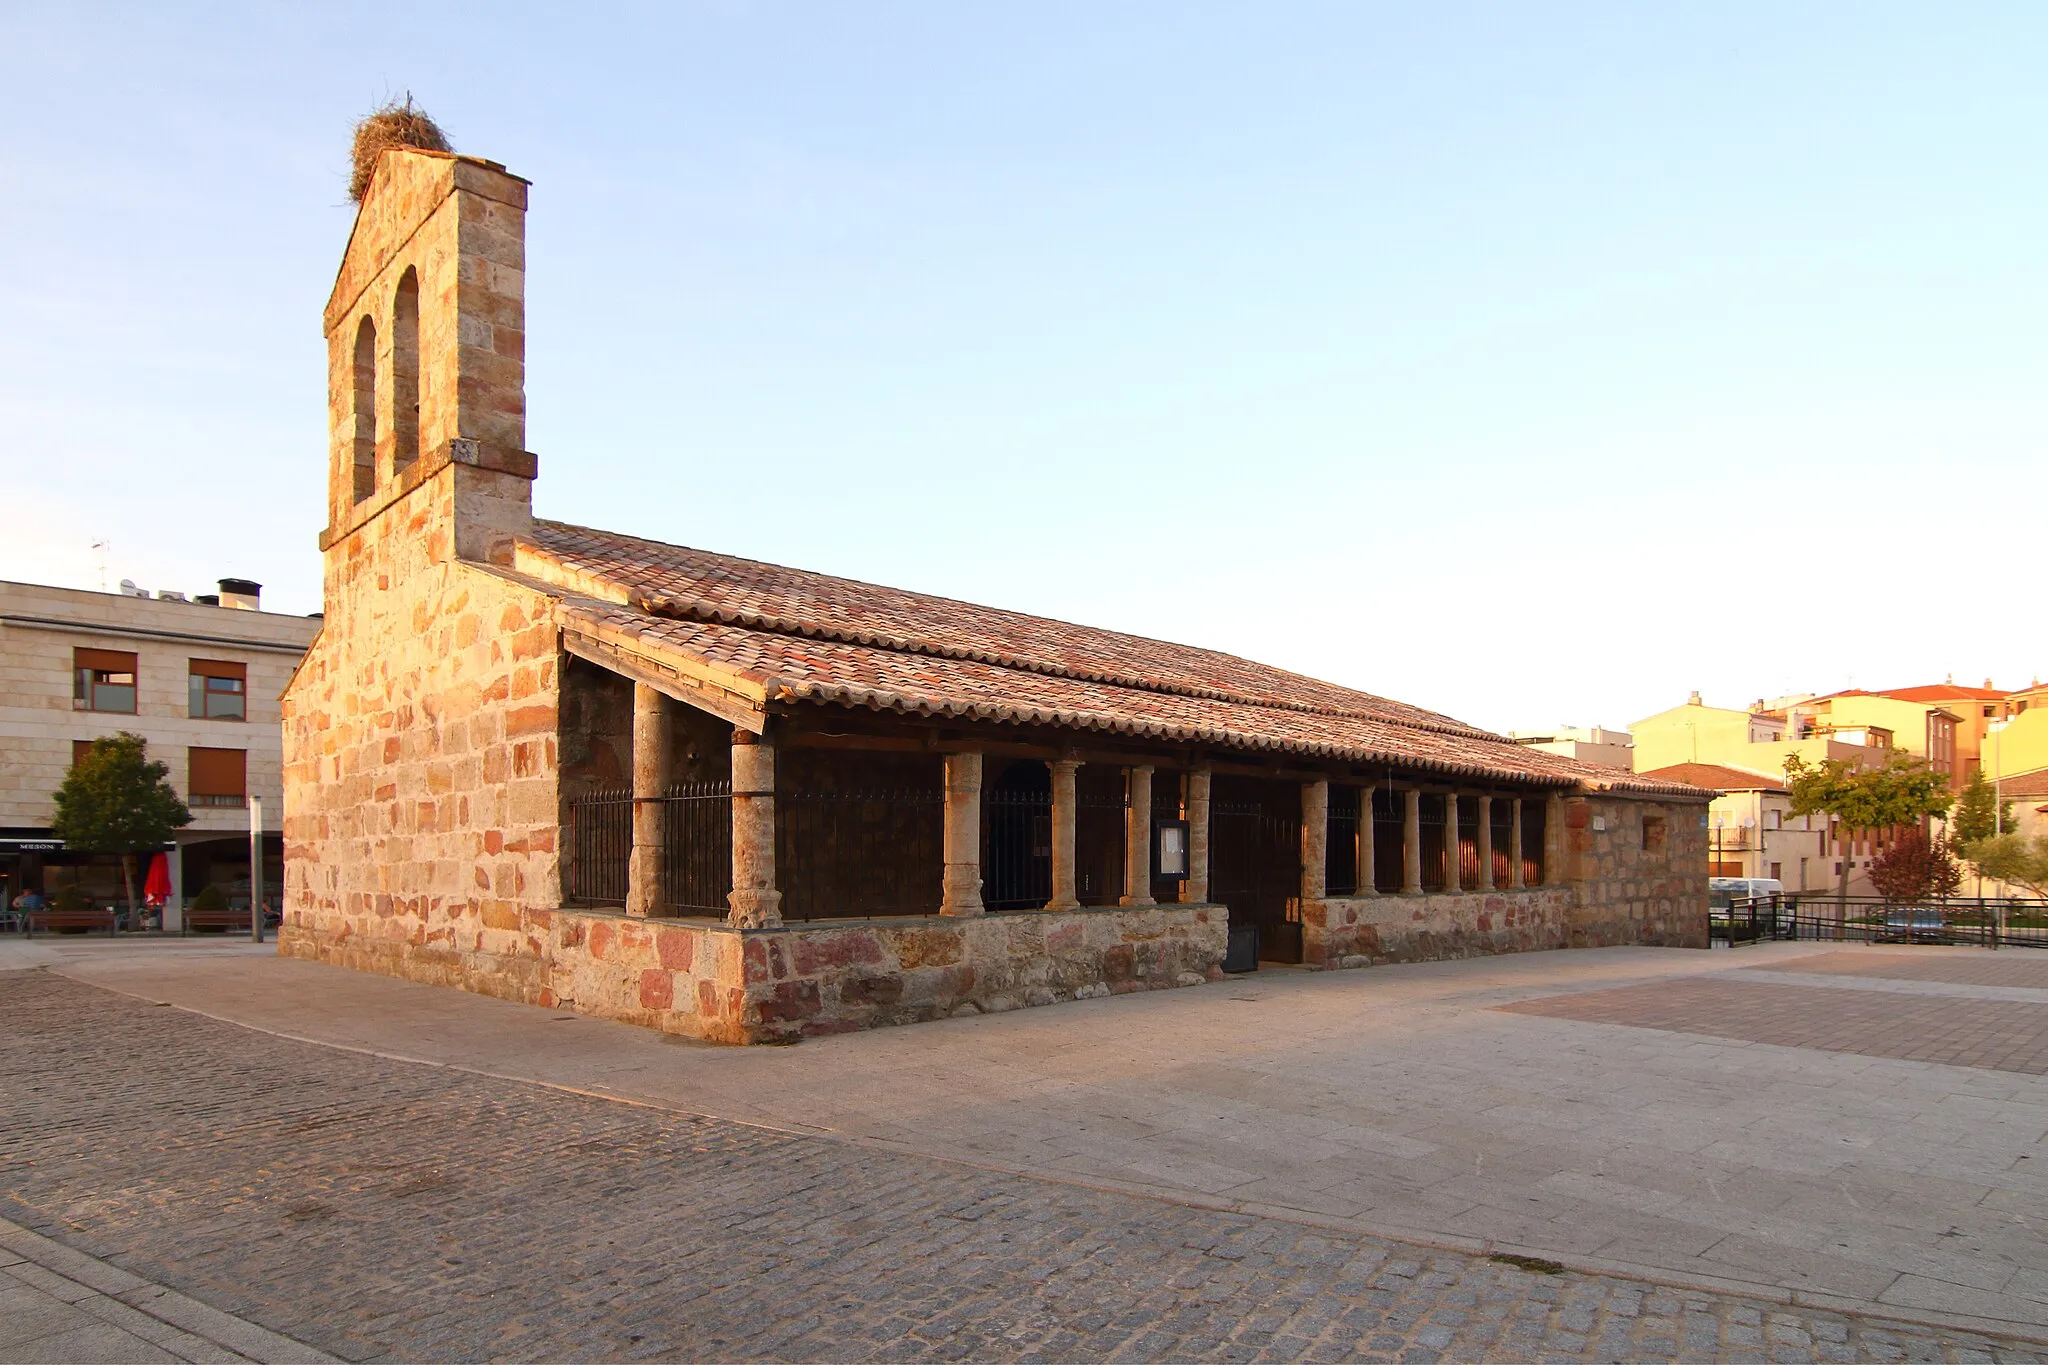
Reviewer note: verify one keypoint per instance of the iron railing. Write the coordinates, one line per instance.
(696, 844)
(1535, 833)
(696, 847)
(1390, 841)
(855, 854)
(1816, 916)
(1503, 831)
(1468, 844)
(600, 848)
(1016, 849)
(1435, 844)
(1340, 862)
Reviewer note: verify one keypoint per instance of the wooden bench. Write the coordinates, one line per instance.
(230, 919)
(43, 921)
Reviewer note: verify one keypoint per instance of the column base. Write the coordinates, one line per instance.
(1068, 904)
(754, 909)
(960, 894)
(1137, 902)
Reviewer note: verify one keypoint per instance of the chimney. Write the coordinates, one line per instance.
(1693, 700)
(241, 594)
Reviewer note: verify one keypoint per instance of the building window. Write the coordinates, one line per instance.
(218, 690)
(218, 777)
(79, 749)
(102, 680)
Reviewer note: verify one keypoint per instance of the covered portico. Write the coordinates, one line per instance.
(797, 815)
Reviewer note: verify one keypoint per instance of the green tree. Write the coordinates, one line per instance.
(115, 800)
(2014, 858)
(1904, 791)
(1978, 814)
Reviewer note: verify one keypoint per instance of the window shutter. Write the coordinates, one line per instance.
(215, 668)
(219, 772)
(109, 660)
(79, 749)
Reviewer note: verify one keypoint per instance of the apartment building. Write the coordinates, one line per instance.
(198, 679)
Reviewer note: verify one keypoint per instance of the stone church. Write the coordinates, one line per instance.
(745, 802)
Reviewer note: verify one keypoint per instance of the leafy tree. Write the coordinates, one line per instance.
(1914, 867)
(1978, 814)
(115, 800)
(2014, 858)
(1903, 792)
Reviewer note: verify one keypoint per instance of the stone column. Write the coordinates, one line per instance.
(1063, 898)
(1368, 875)
(1515, 848)
(1451, 844)
(1411, 843)
(1553, 842)
(1486, 843)
(1195, 890)
(650, 784)
(962, 892)
(1138, 837)
(1315, 841)
(756, 904)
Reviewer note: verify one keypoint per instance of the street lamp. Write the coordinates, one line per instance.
(255, 869)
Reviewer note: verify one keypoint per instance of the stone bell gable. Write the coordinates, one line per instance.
(426, 361)
(421, 803)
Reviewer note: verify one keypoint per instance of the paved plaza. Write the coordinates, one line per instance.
(1291, 1165)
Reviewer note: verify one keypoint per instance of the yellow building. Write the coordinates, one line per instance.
(1753, 741)
(2020, 745)
(1925, 729)
(1752, 832)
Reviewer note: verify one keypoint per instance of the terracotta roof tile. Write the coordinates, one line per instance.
(2026, 784)
(805, 637)
(1715, 777)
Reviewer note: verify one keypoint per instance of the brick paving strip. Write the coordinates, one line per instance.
(2000, 1035)
(2022, 967)
(381, 1209)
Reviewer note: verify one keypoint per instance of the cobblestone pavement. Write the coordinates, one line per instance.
(2002, 1035)
(2023, 967)
(387, 1209)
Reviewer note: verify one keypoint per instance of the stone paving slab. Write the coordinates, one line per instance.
(57, 1304)
(389, 1210)
(2001, 1035)
(1404, 1105)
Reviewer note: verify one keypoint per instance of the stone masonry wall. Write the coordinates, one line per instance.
(1632, 872)
(420, 758)
(707, 980)
(1368, 930)
(1638, 871)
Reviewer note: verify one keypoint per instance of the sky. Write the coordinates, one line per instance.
(1535, 363)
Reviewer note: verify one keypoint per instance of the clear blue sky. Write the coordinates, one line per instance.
(1534, 362)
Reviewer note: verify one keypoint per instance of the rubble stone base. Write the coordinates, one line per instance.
(706, 979)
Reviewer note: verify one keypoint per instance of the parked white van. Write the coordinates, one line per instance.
(1723, 892)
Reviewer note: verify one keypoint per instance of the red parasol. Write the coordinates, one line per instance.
(156, 889)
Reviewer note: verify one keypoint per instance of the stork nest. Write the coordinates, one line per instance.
(397, 124)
